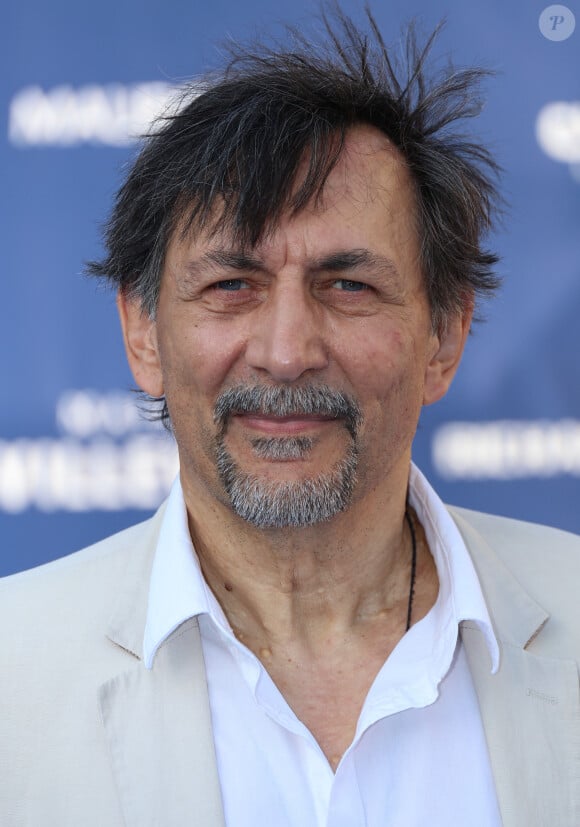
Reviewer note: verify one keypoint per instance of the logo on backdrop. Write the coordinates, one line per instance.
(106, 458)
(558, 133)
(557, 23)
(112, 115)
(507, 450)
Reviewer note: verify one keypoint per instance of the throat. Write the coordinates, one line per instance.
(325, 669)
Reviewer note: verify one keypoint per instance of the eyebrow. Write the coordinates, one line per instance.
(343, 260)
(229, 259)
(336, 262)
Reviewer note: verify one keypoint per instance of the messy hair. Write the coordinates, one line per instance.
(239, 143)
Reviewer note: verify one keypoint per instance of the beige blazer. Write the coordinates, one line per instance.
(90, 738)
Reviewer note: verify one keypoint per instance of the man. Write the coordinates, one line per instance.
(303, 634)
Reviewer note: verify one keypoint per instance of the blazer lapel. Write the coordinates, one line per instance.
(529, 708)
(157, 722)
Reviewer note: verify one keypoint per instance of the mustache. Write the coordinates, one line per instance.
(284, 400)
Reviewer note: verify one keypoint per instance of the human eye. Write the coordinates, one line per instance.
(350, 286)
(348, 296)
(231, 295)
(230, 285)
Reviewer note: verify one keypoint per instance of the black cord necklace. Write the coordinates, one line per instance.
(413, 568)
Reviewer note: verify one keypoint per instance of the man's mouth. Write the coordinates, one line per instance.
(283, 425)
(286, 410)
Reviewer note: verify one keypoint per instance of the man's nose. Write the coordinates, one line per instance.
(287, 338)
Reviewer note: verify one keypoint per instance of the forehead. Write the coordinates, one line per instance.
(369, 168)
(368, 194)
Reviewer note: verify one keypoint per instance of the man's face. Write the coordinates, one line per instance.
(295, 371)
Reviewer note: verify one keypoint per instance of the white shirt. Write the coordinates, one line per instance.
(419, 755)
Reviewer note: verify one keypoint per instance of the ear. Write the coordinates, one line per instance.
(448, 348)
(140, 337)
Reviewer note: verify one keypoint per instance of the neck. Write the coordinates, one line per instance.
(310, 585)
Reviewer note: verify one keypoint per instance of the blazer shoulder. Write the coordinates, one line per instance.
(90, 569)
(511, 537)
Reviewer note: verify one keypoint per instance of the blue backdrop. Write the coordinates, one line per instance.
(78, 79)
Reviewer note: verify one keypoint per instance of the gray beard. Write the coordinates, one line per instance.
(267, 504)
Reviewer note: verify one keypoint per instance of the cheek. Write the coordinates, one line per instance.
(386, 372)
(195, 362)
(196, 358)
(377, 361)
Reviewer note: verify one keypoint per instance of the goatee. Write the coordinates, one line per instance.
(269, 504)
